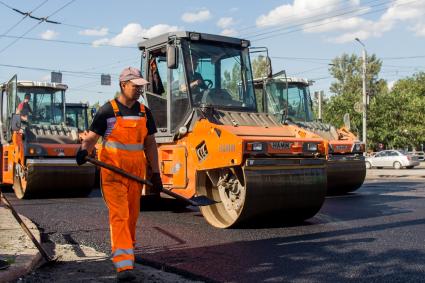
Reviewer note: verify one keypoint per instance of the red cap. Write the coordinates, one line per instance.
(133, 75)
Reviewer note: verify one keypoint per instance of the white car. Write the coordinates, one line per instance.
(392, 158)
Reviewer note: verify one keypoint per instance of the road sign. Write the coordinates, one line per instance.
(56, 77)
(105, 79)
(358, 107)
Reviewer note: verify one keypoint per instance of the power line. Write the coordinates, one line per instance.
(326, 23)
(292, 16)
(44, 19)
(51, 70)
(66, 41)
(23, 18)
(315, 18)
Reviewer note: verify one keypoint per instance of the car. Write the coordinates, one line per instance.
(392, 158)
(419, 154)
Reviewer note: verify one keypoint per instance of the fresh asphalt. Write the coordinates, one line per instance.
(376, 234)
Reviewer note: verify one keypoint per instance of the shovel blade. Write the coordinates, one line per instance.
(203, 201)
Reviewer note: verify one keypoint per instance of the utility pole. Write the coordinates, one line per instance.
(320, 100)
(364, 104)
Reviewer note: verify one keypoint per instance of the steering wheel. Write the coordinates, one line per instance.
(208, 83)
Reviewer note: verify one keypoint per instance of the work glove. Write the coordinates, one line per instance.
(156, 182)
(81, 156)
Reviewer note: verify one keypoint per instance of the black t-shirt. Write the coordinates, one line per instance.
(104, 120)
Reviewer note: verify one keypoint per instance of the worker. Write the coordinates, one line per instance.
(24, 108)
(128, 129)
(196, 81)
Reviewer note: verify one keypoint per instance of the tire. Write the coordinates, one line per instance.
(368, 165)
(397, 165)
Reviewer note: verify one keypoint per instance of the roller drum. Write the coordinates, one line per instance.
(285, 189)
(54, 178)
(345, 176)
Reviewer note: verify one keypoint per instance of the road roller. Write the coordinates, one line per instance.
(289, 100)
(38, 147)
(213, 141)
(77, 116)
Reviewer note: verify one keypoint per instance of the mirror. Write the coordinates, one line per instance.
(347, 122)
(93, 112)
(16, 122)
(172, 55)
(269, 67)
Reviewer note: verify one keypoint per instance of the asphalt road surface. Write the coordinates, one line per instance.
(376, 234)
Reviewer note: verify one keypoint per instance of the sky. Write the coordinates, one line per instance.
(96, 37)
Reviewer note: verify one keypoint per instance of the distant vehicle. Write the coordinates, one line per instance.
(419, 154)
(392, 158)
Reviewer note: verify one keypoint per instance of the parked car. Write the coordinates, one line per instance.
(392, 158)
(419, 154)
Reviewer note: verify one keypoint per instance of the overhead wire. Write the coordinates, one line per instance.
(325, 23)
(36, 25)
(320, 17)
(23, 18)
(320, 8)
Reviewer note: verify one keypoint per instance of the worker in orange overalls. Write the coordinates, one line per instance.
(128, 129)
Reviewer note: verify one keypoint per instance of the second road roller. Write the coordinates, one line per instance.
(38, 148)
(213, 141)
(289, 100)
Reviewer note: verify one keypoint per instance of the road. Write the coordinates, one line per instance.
(376, 234)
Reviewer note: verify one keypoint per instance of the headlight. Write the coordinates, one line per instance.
(254, 146)
(310, 146)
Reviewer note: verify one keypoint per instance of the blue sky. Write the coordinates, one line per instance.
(302, 35)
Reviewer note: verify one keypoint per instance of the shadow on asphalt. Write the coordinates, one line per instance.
(303, 258)
(372, 200)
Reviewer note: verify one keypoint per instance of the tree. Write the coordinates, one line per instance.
(259, 67)
(347, 89)
(396, 117)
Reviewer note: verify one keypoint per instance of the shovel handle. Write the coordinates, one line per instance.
(138, 179)
(118, 170)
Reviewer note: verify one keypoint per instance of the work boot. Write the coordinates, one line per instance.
(126, 276)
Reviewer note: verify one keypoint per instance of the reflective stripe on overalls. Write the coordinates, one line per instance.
(124, 149)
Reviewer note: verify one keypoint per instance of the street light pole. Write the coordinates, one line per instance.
(364, 112)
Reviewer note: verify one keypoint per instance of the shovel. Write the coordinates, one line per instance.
(195, 201)
(47, 258)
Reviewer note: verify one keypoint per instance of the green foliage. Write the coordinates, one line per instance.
(395, 117)
(231, 81)
(347, 70)
(259, 67)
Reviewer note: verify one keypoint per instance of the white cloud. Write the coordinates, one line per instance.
(300, 9)
(49, 34)
(390, 84)
(225, 22)
(133, 33)
(229, 32)
(200, 16)
(410, 12)
(94, 32)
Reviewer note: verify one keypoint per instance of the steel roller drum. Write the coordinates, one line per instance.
(345, 175)
(286, 189)
(54, 178)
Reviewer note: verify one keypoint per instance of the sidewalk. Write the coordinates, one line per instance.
(16, 247)
(417, 173)
(81, 263)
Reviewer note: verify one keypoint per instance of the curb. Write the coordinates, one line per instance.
(27, 259)
(382, 176)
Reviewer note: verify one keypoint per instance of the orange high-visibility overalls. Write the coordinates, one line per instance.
(124, 149)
